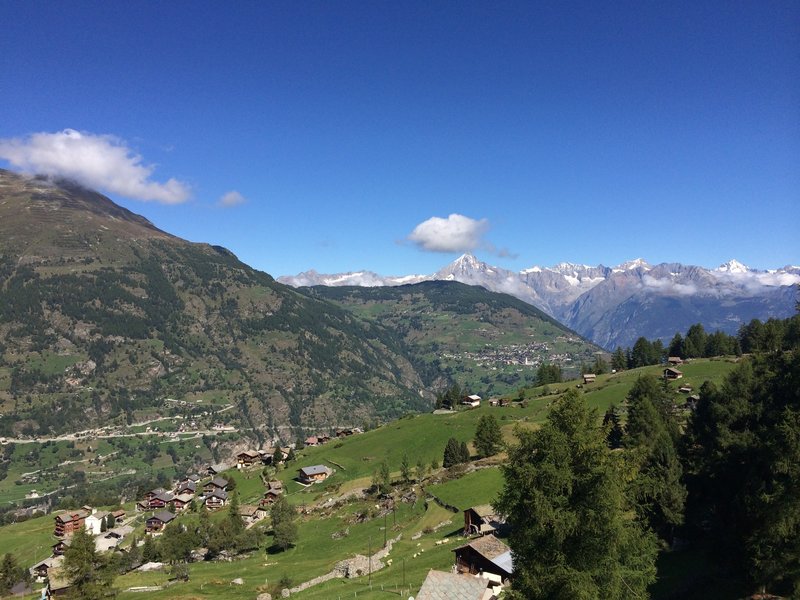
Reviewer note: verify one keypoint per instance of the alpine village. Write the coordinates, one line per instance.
(179, 425)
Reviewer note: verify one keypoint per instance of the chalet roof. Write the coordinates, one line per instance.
(163, 515)
(219, 467)
(68, 516)
(247, 510)
(219, 482)
(164, 497)
(439, 585)
(157, 491)
(250, 453)
(473, 397)
(483, 510)
(674, 371)
(675, 359)
(487, 546)
(275, 484)
(312, 439)
(118, 513)
(221, 494)
(184, 497)
(314, 470)
(194, 477)
(589, 376)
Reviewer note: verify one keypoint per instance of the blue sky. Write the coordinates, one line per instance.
(559, 131)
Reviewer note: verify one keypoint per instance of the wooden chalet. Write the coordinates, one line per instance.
(60, 547)
(439, 585)
(158, 521)
(251, 514)
(670, 373)
(589, 378)
(69, 522)
(213, 470)
(485, 554)
(40, 570)
(674, 361)
(186, 487)
(119, 516)
(308, 475)
(480, 520)
(248, 458)
(311, 440)
(216, 499)
(58, 585)
(472, 400)
(161, 500)
(218, 483)
(182, 501)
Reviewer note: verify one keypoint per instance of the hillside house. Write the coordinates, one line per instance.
(473, 401)
(40, 570)
(481, 520)
(251, 514)
(158, 521)
(58, 584)
(69, 522)
(311, 440)
(485, 554)
(274, 490)
(186, 487)
(670, 373)
(216, 500)
(247, 459)
(439, 585)
(182, 501)
(589, 378)
(309, 475)
(218, 483)
(213, 470)
(685, 389)
(674, 361)
(119, 516)
(161, 500)
(60, 547)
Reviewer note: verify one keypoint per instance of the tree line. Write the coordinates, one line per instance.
(591, 504)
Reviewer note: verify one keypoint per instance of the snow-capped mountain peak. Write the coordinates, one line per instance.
(636, 263)
(733, 266)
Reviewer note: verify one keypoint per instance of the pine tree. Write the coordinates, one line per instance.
(618, 360)
(85, 568)
(405, 468)
(652, 433)
(572, 535)
(237, 523)
(284, 528)
(488, 437)
(452, 453)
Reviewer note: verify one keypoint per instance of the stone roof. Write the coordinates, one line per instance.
(439, 585)
(483, 510)
(163, 515)
(487, 546)
(315, 470)
(219, 482)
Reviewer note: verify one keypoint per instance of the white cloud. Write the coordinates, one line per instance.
(754, 281)
(456, 233)
(670, 287)
(232, 198)
(98, 161)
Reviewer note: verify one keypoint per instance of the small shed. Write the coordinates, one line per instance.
(670, 373)
(485, 554)
(589, 378)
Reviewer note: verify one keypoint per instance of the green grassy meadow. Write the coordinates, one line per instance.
(331, 534)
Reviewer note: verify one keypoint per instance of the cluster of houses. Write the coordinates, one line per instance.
(483, 566)
(108, 528)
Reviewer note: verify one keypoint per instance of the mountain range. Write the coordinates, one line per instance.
(104, 318)
(613, 306)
